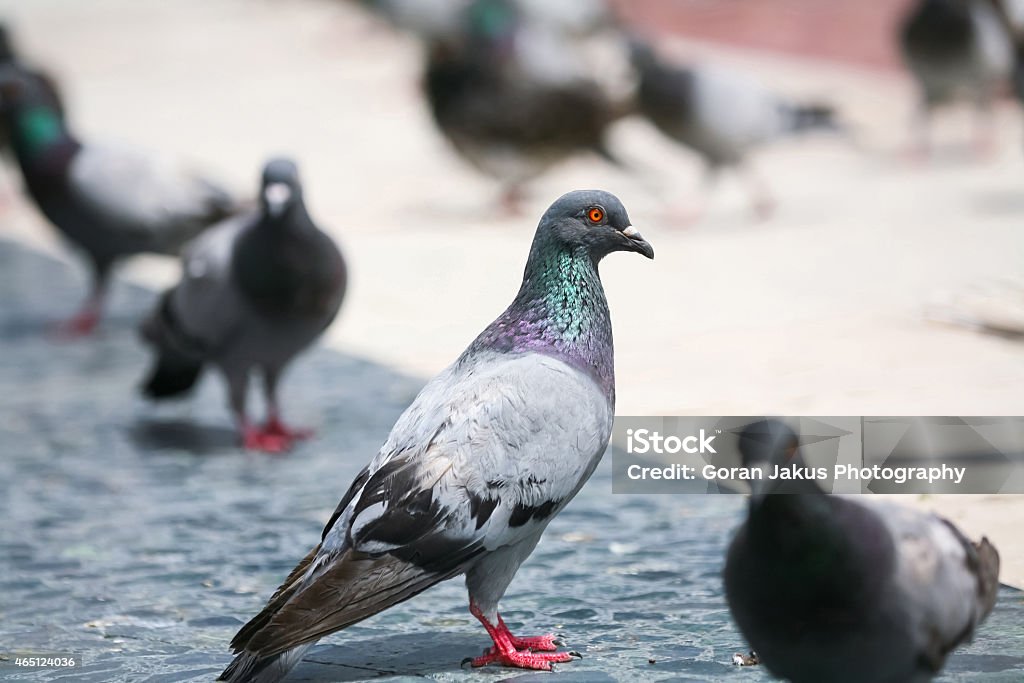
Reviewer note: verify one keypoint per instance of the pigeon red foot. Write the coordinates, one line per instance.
(276, 427)
(261, 439)
(81, 325)
(533, 652)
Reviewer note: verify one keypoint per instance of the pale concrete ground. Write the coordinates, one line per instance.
(818, 311)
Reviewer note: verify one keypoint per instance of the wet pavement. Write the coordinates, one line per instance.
(140, 538)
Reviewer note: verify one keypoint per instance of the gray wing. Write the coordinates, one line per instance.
(736, 110)
(144, 200)
(206, 303)
(947, 585)
(483, 458)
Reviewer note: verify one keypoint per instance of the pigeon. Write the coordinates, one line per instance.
(835, 589)
(957, 50)
(502, 118)
(473, 471)
(111, 202)
(721, 115)
(255, 291)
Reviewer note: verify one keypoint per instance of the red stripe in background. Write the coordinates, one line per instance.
(852, 31)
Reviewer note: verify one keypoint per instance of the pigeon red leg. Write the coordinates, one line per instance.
(276, 427)
(256, 439)
(512, 198)
(84, 322)
(81, 325)
(545, 643)
(511, 651)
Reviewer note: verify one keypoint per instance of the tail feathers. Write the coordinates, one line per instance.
(988, 574)
(173, 374)
(248, 667)
(179, 361)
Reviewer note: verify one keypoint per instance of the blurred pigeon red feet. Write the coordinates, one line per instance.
(81, 325)
(275, 427)
(260, 439)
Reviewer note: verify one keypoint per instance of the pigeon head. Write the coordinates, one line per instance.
(769, 444)
(594, 221)
(492, 20)
(280, 189)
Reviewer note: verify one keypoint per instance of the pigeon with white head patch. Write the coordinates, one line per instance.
(474, 470)
(255, 291)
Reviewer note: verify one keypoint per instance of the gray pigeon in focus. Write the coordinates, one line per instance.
(111, 202)
(255, 291)
(720, 115)
(833, 589)
(957, 50)
(472, 472)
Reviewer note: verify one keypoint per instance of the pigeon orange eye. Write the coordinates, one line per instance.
(595, 214)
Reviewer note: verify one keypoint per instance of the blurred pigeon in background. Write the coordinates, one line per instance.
(720, 115)
(255, 291)
(957, 50)
(507, 119)
(111, 202)
(831, 589)
(475, 469)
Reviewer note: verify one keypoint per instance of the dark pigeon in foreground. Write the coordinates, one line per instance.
(831, 589)
(720, 115)
(255, 291)
(506, 121)
(111, 202)
(957, 50)
(487, 454)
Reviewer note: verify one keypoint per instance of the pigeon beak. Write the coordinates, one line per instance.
(637, 242)
(277, 196)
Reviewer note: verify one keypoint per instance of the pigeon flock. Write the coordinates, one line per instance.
(826, 589)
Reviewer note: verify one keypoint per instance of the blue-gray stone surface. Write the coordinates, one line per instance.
(140, 538)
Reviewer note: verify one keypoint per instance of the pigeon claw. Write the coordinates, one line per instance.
(548, 643)
(522, 659)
